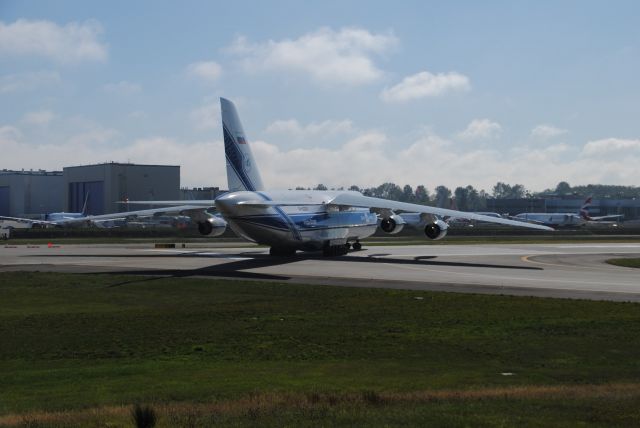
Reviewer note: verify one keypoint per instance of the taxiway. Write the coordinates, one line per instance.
(549, 270)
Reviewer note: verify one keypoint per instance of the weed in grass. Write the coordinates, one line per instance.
(143, 416)
(372, 398)
(31, 422)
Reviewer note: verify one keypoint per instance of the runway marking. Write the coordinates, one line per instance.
(526, 259)
(598, 246)
(495, 253)
(198, 253)
(602, 267)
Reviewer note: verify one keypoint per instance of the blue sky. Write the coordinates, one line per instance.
(338, 92)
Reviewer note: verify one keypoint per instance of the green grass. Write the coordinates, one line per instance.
(629, 262)
(74, 342)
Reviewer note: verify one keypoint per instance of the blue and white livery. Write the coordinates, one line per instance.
(332, 221)
(307, 220)
(242, 172)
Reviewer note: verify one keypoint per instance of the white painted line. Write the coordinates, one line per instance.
(599, 246)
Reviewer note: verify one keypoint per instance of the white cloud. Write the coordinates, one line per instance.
(425, 84)
(612, 147)
(198, 166)
(481, 129)
(9, 134)
(293, 128)
(369, 158)
(71, 43)
(95, 137)
(373, 158)
(546, 132)
(206, 117)
(38, 118)
(206, 71)
(28, 81)
(328, 56)
(122, 88)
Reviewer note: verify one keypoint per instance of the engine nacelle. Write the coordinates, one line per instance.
(213, 226)
(393, 224)
(436, 230)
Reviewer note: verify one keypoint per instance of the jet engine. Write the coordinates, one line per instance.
(213, 226)
(436, 230)
(392, 224)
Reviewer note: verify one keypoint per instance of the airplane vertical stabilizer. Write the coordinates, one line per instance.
(584, 211)
(85, 205)
(242, 170)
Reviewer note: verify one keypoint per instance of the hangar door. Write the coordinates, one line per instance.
(77, 195)
(4, 201)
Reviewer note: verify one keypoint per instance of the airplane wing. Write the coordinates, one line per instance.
(198, 202)
(28, 220)
(186, 209)
(607, 217)
(355, 200)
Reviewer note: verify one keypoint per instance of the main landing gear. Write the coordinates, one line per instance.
(327, 251)
(340, 250)
(282, 252)
(335, 250)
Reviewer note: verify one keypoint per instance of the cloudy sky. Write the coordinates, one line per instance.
(333, 92)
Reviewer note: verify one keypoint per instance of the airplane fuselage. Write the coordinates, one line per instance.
(552, 219)
(63, 216)
(300, 221)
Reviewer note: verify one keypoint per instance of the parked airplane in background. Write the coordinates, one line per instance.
(54, 219)
(308, 220)
(564, 220)
(208, 224)
(584, 213)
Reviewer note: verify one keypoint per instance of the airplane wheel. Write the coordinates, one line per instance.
(335, 250)
(357, 246)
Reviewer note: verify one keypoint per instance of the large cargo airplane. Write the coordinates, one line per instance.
(291, 220)
(307, 220)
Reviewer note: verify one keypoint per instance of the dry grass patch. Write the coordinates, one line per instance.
(257, 405)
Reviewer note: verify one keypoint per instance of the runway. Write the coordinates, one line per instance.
(548, 270)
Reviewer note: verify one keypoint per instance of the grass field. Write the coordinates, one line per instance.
(81, 349)
(628, 262)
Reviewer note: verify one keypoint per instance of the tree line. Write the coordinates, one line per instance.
(470, 199)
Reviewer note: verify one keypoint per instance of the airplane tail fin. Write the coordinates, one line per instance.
(584, 212)
(85, 205)
(242, 170)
